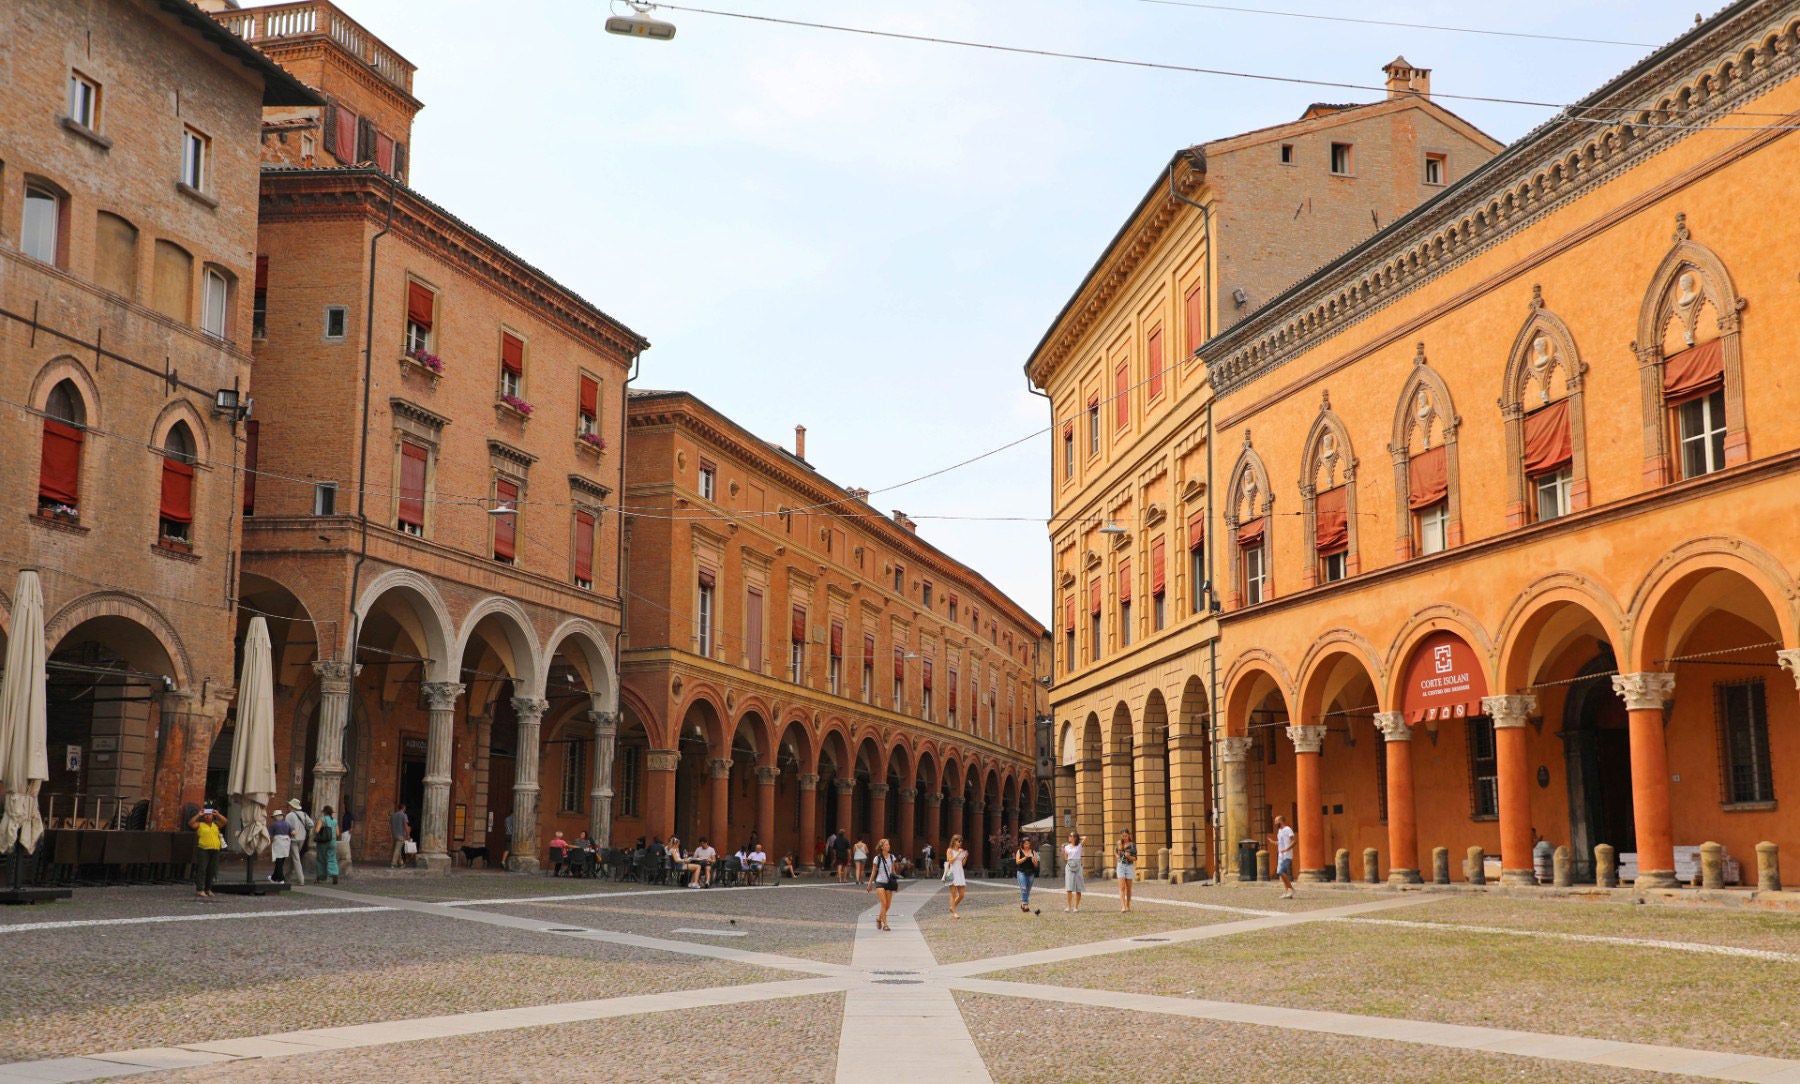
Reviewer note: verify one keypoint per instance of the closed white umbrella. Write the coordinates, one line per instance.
(252, 780)
(24, 763)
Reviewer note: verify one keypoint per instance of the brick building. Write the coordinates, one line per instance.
(796, 662)
(128, 172)
(1224, 227)
(439, 425)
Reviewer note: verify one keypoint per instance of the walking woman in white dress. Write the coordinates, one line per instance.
(1073, 885)
(954, 855)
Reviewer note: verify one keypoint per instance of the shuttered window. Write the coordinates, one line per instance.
(506, 526)
(411, 515)
(584, 549)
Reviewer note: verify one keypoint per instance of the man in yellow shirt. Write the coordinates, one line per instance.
(209, 840)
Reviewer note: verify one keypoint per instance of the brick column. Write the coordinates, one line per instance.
(845, 788)
(1120, 811)
(1402, 818)
(1234, 753)
(526, 786)
(434, 819)
(600, 798)
(1150, 771)
(1645, 694)
(1090, 807)
(1311, 829)
(1510, 714)
(1188, 834)
(934, 820)
(994, 826)
(719, 773)
(334, 717)
(878, 793)
(909, 815)
(765, 807)
(808, 782)
(1063, 791)
(659, 791)
(956, 824)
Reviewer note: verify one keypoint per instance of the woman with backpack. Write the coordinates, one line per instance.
(325, 845)
(884, 877)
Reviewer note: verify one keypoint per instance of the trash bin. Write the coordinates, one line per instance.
(1246, 860)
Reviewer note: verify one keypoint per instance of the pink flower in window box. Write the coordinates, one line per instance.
(517, 404)
(428, 360)
(592, 440)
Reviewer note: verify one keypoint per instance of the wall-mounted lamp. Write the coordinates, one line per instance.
(228, 404)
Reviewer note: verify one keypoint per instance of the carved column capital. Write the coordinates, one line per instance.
(530, 710)
(1306, 738)
(808, 780)
(933, 798)
(719, 767)
(908, 794)
(1790, 661)
(846, 786)
(1510, 711)
(1392, 725)
(878, 790)
(335, 675)
(1647, 691)
(766, 776)
(1234, 750)
(606, 723)
(442, 695)
(957, 801)
(662, 760)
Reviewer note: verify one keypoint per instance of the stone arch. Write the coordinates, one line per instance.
(180, 410)
(1543, 350)
(1241, 680)
(521, 649)
(900, 751)
(1249, 503)
(1425, 418)
(1533, 615)
(424, 615)
(1657, 616)
(1323, 656)
(1442, 618)
(712, 720)
(761, 732)
(1328, 463)
(659, 733)
(61, 368)
(593, 656)
(117, 604)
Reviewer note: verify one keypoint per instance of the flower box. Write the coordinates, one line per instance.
(422, 363)
(520, 406)
(590, 442)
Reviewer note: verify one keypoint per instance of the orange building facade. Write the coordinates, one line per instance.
(796, 662)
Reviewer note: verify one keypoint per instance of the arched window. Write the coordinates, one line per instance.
(59, 472)
(175, 514)
(41, 230)
(1541, 403)
(1328, 498)
(1247, 511)
(1429, 506)
(1692, 369)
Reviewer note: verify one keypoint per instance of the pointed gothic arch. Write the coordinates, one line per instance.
(1328, 470)
(1249, 502)
(1424, 444)
(1543, 409)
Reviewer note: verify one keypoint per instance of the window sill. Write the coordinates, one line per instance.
(1747, 807)
(504, 412)
(594, 450)
(70, 124)
(414, 367)
(1485, 817)
(196, 195)
(173, 552)
(57, 523)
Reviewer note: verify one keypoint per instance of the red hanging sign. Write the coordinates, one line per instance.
(1443, 680)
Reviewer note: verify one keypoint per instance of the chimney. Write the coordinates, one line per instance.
(217, 7)
(799, 442)
(902, 520)
(1404, 80)
(858, 493)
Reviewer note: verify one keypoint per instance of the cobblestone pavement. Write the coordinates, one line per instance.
(510, 977)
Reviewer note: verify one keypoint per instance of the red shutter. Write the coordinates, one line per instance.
(753, 626)
(1196, 530)
(345, 146)
(799, 629)
(412, 485)
(953, 691)
(177, 491)
(1547, 442)
(590, 397)
(1124, 581)
(927, 674)
(899, 663)
(1196, 317)
(262, 272)
(1158, 569)
(1094, 597)
(252, 439)
(1153, 352)
(1122, 395)
(1428, 478)
(1694, 372)
(329, 127)
(708, 578)
(1069, 613)
(584, 546)
(512, 353)
(384, 152)
(59, 479)
(1251, 533)
(506, 528)
(1331, 521)
(869, 652)
(419, 304)
(837, 639)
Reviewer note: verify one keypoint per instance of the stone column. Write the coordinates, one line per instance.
(845, 788)
(434, 819)
(719, 777)
(1234, 753)
(934, 818)
(1311, 829)
(1510, 714)
(1403, 830)
(1120, 810)
(1090, 806)
(334, 718)
(1645, 694)
(526, 784)
(809, 818)
(600, 798)
(908, 799)
(765, 808)
(659, 791)
(878, 793)
(1150, 772)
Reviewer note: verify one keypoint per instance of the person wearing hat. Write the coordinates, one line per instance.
(281, 842)
(302, 827)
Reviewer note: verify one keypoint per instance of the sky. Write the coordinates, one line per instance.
(868, 237)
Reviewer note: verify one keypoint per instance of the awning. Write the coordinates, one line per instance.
(1444, 680)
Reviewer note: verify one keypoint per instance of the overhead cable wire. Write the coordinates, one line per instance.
(1315, 16)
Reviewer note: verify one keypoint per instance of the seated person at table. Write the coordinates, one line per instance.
(903, 866)
(559, 852)
(755, 861)
(704, 856)
(788, 869)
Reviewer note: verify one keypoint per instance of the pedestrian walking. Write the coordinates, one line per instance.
(884, 877)
(325, 833)
(1025, 865)
(861, 857)
(302, 825)
(1127, 869)
(1284, 857)
(281, 842)
(954, 856)
(840, 854)
(927, 861)
(400, 827)
(209, 840)
(1073, 884)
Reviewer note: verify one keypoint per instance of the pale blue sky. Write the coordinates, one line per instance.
(868, 237)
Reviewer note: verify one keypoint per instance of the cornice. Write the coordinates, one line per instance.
(519, 457)
(587, 487)
(1698, 79)
(403, 408)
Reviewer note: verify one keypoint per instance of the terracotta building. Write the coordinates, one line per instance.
(1223, 227)
(796, 662)
(128, 171)
(439, 433)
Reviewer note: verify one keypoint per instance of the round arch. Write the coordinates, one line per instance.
(1545, 617)
(1434, 619)
(1658, 613)
(119, 609)
(516, 646)
(423, 615)
(592, 657)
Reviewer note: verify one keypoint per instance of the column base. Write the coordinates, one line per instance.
(1656, 878)
(1405, 877)
(1313, 876)
(1518, 877)
(432, 863)
(523, 864)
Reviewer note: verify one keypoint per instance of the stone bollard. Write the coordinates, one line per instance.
(1371, 865)
(1712, 865)
(1440, 865)
(1164, 870)
(1343, 866)
(1606, 866)
(1262, 865)
(1768, 868)
(1477, 866)
(1564, 862)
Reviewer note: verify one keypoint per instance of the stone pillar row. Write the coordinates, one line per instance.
(434, 819)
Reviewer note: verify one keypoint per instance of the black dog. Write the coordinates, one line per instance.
(470, 854)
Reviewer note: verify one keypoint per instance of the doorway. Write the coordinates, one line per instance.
(1597, 757)
(411, 787)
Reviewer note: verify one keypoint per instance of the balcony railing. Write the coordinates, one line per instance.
(277, 23)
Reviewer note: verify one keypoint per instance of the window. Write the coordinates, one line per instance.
(512, 365)
(753, 627)
(59, 472)
(175, 513)
(259, 301)
(574, 777)
(925, 594)
(629, 767)
(899, 701)
(1197, 582)
(835, 668)
(506, 524)
(584, 550)
(1124, 603)
(84, 101)
(1094, 637)
(709, 481)
(952, 704)
(797, 648)
(703, 612)
(1341, 159)
(1122, 395)
(1287, 154)
(1552, 494)
(115, 255)
(213, 295)
(341, 126)
(41, 235)
(252, 455)
(325, 498)
(308, 148)
(194, 147)
(868, 669)
(1093, 412)
(1701, 428)
(1159, 585)
(1436, 169)
(587, 421)
(953, 607)
(925, 690)
(899, 580)
(421, 308)
(1334, 566)
(1744, 743)
(1068, 450)
(172, 282)
(1153, 358)
(1433, 524)
(409, 514)
(1069, 649)
(337, 323)
(1256, 575)
(1484, 772)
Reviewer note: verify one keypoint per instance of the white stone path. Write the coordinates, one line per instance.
(899, 1005)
